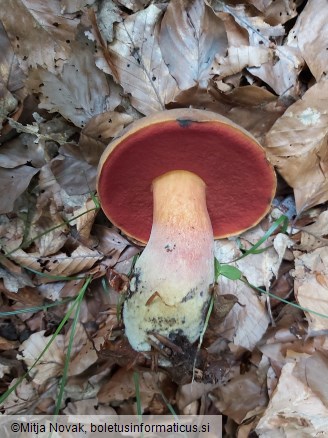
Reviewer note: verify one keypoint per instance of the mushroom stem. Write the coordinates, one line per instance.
(169, 292)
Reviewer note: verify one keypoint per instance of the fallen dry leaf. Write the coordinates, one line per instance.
(295, 408)
(297, 146)
(275, 11)
(52, 360)
(98, 132)
(314, 235)
(137, 57)
(311, 286)
(13, 183)
(191, 35)
(81, 259)
(44, 34)
(237, 59)
(72, 172)
(243, 393)
(313, 44)
(248, 320)
(80, 92)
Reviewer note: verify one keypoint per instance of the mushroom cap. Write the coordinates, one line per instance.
(240, 180)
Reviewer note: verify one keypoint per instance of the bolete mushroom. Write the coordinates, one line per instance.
(176, 179)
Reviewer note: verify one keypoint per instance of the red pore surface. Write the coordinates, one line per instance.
(240, 181)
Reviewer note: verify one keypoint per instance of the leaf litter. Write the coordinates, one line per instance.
(73, 76)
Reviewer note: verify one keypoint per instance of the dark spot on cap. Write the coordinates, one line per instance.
(185, 123)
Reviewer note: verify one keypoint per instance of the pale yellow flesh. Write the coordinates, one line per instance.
(170, 289)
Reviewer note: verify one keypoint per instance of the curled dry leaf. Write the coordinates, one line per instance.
(139, 64)
(13, 183)
(191, 35)
(314, 236)
(310, 32)
(296, 409)
(80, 92)
(284, 62)
(237, 59)
(311, 286)
(297, 146)
(43, 35)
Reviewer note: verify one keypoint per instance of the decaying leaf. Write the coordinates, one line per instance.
(191, 35)
(49, 31)
(13, 183)
(72, 172)
(276, 11)
(311, 286)
(80, 92)
(81, 259)
(296, 408)
(51, 365)
(247, 322)
(98, 132)
(297, 146)
(122, 387)
(314, 235)
(52, 361)
(310, 32)
(239, 58)
(137, 57)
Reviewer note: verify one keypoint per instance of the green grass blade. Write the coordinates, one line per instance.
(282, 222)
(53, 337)
(36, 308)
(69, 347)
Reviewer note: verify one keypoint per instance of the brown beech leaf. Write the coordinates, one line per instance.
(311, 286)
(11, 76)
(13, 183)
(98, 131)
(237, 59)
(191, 35)
(311, 31)
(138, 60)
(297, 146)
(71, 6)
(72, 172)
(43, 35)
(80, 92)
(281, 70)
(296, 409)
(275, 11)
(81, 259)
(314, 235)
(247, 321)
(43, 224)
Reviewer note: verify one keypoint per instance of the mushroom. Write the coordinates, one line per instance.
(176, 179)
